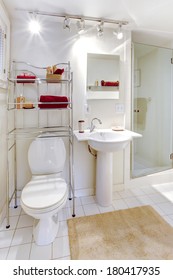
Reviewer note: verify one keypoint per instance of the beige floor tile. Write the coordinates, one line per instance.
(20, 252)
(91, 209)
(41, 252)
(61, 247)
(6, 238)
(106, 209)
(22, 236)
(3, 253)
(25, 221)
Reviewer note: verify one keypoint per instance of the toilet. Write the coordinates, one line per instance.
(47, 191)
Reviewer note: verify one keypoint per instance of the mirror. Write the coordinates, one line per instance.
(103, 74)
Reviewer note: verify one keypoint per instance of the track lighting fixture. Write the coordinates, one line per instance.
(119, 32)
(81, 25)
(80, 22)
(100, 29)
(66, 24)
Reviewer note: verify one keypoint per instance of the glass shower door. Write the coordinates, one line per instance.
(151, 109)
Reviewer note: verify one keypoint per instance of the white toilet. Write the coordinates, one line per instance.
(47, 192)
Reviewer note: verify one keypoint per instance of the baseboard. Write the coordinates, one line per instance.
(91, 191)
(118, 187)
(84, 192)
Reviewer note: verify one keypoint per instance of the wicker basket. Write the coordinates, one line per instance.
(53, 77)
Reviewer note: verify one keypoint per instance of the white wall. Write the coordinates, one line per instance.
(57, 45)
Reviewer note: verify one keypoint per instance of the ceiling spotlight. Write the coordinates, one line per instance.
(81, 26)
(66, 24)
(100, 29)
(119, 32)
(34, 25)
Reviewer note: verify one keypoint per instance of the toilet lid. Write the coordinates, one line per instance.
(41, 193)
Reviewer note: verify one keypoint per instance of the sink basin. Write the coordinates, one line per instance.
(111, 141)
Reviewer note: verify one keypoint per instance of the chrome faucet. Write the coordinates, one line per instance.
(92, 124)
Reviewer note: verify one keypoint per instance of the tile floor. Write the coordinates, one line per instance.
(17, 243)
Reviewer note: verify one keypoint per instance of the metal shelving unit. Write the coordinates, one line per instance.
(30, 88)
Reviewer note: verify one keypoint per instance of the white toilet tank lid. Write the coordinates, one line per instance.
(46, 154)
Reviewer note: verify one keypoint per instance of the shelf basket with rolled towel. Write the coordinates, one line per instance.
(53, 101)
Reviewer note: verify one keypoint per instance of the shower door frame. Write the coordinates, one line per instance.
(132, 115)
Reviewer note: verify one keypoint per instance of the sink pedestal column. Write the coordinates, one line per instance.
(104, 179)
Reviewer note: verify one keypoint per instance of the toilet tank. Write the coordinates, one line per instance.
(46, 155)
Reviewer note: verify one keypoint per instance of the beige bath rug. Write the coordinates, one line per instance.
(136, 233)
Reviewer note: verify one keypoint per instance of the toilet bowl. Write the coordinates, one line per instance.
(47, 192)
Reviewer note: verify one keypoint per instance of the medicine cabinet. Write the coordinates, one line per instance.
(103, 76)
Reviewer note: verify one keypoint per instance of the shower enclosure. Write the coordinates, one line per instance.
(151, 109)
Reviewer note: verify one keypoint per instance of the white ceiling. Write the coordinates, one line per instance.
(143, 15)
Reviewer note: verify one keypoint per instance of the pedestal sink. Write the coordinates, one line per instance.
(105, 143)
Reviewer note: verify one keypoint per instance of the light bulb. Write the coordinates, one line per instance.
(119, 35)
(34, 26)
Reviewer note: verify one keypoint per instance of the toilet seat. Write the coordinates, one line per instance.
(44, 194)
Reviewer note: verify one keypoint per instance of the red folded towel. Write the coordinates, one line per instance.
(25, 77)
(52, 99)
(109, 84)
